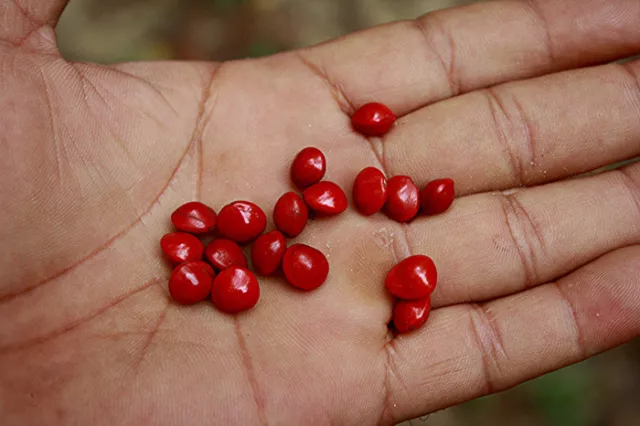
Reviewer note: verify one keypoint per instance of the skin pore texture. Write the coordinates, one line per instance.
(537, 269)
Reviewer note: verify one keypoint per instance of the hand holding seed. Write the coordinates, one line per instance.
(163, 264)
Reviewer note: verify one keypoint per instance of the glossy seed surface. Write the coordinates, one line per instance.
(290, 214)
(179, 247)
(413, 278)
(223, 253)
(195, 218)
(373, 119)
(267, 252)
(190, 282)
(235, 290)
(325, 198)
(403, 199)
(370, 191)
(305, 267)
(437, 196)
(241, 221)
(308, 167)
(409, 315)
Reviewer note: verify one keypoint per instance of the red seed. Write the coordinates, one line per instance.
(370, 191)
(191, 282)
(241, 221)
(373, 119)
(437, 196)
(413, 278)
(195, 218)
(223, 254)
(181, 247)
(267, 252)
(308, 167)
(305, 267)
(290, 214)
(409, 315)
(235, 289)
(403, 199)
(325, 198)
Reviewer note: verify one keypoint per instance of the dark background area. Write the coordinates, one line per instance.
(604, 391)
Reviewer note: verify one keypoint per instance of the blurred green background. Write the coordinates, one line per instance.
(604, 391)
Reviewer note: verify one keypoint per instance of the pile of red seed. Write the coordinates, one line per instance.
(221, 270)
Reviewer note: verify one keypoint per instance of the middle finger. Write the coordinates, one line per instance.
(522, 133)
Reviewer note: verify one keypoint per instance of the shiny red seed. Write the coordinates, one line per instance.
(370, 191)
(437, 196)
(235, 289)
(413, 278)
(181, 247)
(409, 315)
(308, 167)
(373, 119)
(290, 214)
(267, 252)
(195, 218)
(325, 198)
(191, 282)
(223, 254)
(305, 267)
(241, 221)
(403, 199)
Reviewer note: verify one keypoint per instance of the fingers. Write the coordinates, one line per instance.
(21, 18)
(491, 245)
(409, 64)
(522, 133)
(472, 350)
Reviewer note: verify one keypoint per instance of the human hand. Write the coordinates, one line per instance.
(534, 275)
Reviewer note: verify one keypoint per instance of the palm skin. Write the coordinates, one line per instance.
(531, 279)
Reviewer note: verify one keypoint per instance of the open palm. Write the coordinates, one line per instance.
(533, 275)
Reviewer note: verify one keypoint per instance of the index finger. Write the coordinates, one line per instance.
(413, 63)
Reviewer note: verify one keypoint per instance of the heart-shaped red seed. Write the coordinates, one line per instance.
(290, 214)
(191, 282)
(413, 278)
(195, 218)
(223, 254)
(181, 247)
(267, 252)
(373, 119)
(305, 267)
(308, 167)
(370, 191)
(409, 315)
(437, 196)
(325, 198)
(241, 221)
(235, 289)
(403, 199)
